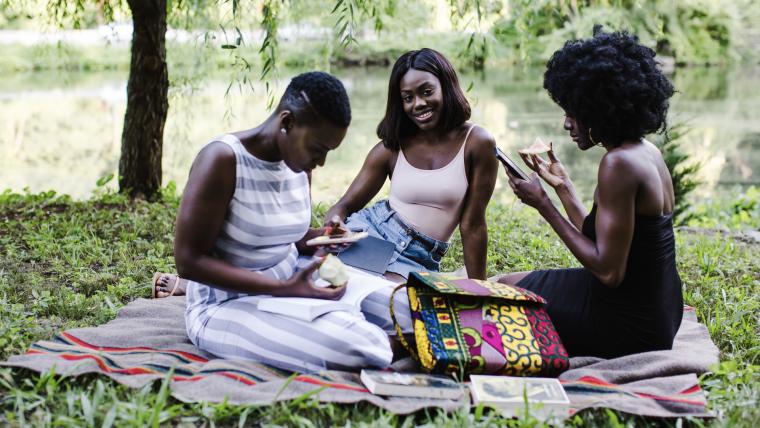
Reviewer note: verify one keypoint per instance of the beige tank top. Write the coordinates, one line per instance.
(430, 200)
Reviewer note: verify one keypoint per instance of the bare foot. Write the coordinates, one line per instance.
(168, 284)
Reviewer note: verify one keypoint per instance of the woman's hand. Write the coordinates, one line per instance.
(301, 285)
(331, 228)
(529, 192)
(334, 227)
(552, 172)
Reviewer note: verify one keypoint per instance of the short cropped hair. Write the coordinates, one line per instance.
(456, 110)
(611, 84)
(325, 98)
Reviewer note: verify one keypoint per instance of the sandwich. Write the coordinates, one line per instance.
(538, 147)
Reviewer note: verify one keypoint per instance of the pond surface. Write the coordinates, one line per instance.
(62, 131)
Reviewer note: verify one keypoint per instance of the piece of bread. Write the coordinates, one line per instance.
(333, 271)
(536, 148)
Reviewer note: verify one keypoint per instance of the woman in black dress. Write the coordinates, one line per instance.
(627, 296)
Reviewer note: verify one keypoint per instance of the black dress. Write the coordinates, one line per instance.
(642, 314)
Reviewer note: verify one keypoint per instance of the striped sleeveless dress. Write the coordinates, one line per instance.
(269, 211)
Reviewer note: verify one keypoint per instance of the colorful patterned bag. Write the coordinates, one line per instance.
(466, 326)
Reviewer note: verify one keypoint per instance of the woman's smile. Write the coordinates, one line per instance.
(424, 115)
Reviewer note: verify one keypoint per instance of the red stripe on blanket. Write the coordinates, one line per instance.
(678, 400)
(237, 378)
(188, 379)
(82, 343)
(141, 371)
(691, 390)
(596, 381)
(232, 376)
(301, 378)
(104, 367)
(313, 381)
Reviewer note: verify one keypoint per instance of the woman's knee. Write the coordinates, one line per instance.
(350, 341)
(374, 352)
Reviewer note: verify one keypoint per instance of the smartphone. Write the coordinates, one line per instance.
(337, 239)
(511, 166)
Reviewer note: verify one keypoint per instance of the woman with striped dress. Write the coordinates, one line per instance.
(245, 215)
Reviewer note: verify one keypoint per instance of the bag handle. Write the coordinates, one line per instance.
(396, 325)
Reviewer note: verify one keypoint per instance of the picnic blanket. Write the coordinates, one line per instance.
(147, 342)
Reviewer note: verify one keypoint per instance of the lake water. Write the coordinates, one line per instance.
(62, 131)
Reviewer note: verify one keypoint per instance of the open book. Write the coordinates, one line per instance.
(546, 399)
(359, 286)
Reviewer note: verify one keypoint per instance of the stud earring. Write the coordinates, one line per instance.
(283, 131)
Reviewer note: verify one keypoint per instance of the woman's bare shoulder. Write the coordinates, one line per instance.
(381, 157)
(215, 161)
(620, 170)
(480, 142)
(380, 153)
(634, 161)
(215, 151)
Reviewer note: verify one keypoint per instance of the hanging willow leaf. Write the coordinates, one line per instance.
(338, 4)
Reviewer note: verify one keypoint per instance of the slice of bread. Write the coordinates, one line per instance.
(536, 148)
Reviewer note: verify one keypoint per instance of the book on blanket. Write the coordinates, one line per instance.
(411, 384)
(545, 396)
(359, 286)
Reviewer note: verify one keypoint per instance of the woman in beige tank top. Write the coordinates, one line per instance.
(441, 166)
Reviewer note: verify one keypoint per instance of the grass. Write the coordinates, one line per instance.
(73, 263)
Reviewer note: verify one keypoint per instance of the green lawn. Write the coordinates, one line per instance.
(68, 264)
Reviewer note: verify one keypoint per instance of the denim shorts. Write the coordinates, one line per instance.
(414, 252)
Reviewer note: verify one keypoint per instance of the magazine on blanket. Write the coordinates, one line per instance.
(545, 396)
(411, 384)
(359, 286)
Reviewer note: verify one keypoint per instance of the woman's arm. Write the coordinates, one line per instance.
(201, 216)
(483, 167)
(301, 246)
(365, 186)
(607, 257)
(574, 208)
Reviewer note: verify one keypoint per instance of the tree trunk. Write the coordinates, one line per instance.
(147, 102)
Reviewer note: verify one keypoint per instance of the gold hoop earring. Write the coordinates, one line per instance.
(592, 139)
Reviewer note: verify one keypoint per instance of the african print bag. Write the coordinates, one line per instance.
(465, 326)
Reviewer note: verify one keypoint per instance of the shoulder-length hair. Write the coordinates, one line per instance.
(396, 125)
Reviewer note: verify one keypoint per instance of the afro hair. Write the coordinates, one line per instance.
(610, 83)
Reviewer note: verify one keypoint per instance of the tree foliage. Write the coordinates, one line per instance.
(691, 31)
(147, 90)
(683, 170)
